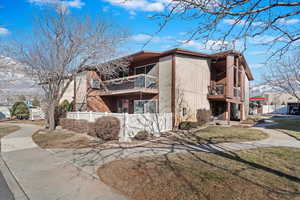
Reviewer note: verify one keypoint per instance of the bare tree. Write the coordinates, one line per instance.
(224, 22)
(284, 75)
(62, 44)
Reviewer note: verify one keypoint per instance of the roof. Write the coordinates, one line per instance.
(141, 55)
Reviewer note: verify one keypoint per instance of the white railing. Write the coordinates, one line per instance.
(131, 124)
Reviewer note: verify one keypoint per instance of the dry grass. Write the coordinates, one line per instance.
(36, 122)
(260, 174)
(7, 129)
(218, 134)
(61, 139)
(288, 126)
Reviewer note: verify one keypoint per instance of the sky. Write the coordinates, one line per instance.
(16, 20)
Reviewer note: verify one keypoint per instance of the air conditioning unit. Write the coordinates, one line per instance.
(95, 84)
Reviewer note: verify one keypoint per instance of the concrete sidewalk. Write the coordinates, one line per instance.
(44, 176)
(89, 160)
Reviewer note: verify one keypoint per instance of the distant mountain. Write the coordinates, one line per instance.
(13, 80)
(261, 89)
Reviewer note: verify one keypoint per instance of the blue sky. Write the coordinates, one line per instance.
(16, 21)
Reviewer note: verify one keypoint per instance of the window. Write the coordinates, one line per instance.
(144, 69)
(145, 106)
(184, 112)
(95, 84)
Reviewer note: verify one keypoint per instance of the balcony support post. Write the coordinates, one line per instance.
(227, 113)
(242, 112)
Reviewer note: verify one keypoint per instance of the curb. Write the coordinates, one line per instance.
(12, 182)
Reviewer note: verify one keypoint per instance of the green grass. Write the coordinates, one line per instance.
(218, 134)
(7, 129)
(288, 126)
(260, 174)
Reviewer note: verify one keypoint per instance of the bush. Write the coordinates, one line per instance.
(187, 125)
(80, 126)
(63, 122)
(91, 130)
(142, 135)
(69, 124)
(107, 128)
(20, 110)
(203, 116)
(61, 111)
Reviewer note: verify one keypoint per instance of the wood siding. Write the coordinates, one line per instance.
(192, 81)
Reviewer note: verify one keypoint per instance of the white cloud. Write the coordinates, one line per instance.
(144, 5)
(4, 31)
(258, 53)
(208, 45)
(61, 3)
(156, 39)
(256, 66)
(288, 21)
(263, 39)
(241, 22)
(141, 37)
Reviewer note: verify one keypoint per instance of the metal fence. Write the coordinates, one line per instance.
(131, 124)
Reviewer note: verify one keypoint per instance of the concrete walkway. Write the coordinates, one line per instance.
(89, 160)
(44, 176)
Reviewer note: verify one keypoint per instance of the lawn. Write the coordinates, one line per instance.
(61, 139)
(7, 129)
(288, 126)
(218, 134)
(260, 174)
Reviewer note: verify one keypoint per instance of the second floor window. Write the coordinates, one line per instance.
(144, 69)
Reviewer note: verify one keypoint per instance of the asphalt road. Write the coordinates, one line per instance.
(5, 193)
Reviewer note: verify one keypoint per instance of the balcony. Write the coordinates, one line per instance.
(237, 92)
(131, 84)
(216, 92)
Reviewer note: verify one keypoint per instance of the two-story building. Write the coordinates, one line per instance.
(177, 81)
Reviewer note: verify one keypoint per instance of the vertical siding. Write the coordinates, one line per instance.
(247, 95)
(192, 81)
(229, 75)
(165, 84)
(80, 88)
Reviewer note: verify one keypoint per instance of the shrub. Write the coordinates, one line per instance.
(20, 110)
(142, 135)
(61, 110)
(187, 125)
(63, 122)
(69, 124)
(203, 116)
(107, 128)
(80, 126)
(91, 129)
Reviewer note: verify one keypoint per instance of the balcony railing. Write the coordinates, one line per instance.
(141, 81)
(237, 92)
(218, 90)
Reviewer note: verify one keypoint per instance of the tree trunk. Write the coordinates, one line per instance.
(51, 117)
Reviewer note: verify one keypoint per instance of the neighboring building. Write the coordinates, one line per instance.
(283, 102)
(176, 81)
(5, 111)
